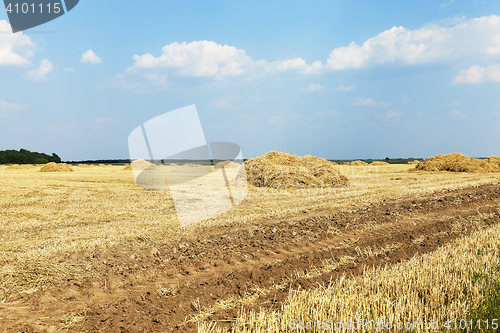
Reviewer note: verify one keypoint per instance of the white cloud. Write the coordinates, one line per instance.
(207, 58)
(14, 48)
(281, 118)
(390, 115)
(457, 115)
(69, 69)
(158, 79)
(91, 57)
(6, 108)
(342, 88)
(326, 113)
(477, 74)
(40, 74)
(312, 88)
(200, 58)
(429, 44)
(369, 102)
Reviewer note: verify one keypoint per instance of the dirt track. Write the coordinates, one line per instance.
(225, 262)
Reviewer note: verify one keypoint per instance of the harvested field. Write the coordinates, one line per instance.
(457, 162)
(20, 167)
(90, 251)
(454, 268)
(56, 167)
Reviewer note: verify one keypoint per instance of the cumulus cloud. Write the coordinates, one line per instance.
(390, 115)
(457, 115)
(15, 49)
(41, 73)
(312, 88)
(477, 74)
(438, 42)
(369, 102)
(281, 118)
(429, 44)
(207, 58)
(90, 57)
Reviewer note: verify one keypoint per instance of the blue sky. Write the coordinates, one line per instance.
(339, 80)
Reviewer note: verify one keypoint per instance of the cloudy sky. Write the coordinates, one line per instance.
(336, 79)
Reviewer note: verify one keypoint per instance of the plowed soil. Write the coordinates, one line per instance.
(232, 262)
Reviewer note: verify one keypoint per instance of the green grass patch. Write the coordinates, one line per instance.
(485, 317)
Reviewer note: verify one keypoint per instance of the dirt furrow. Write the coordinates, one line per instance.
(251, 265)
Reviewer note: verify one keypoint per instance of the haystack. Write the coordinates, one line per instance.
(141, 165)
(56, 167)
(227, 165)
(127, 167)
(19, 167)
(375, 163)
(457, 162)
(102, 165)
(83, 166)
(359, 163)
(282, 171)
(174, 165)
(414, 162)
(494, 160)
(345, 163)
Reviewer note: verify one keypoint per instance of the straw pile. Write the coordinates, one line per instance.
(84, 166)
(227, 165)
(457, 162)
(127, 167)
(495, 160)
(19, 167)
(359, 163)
(282, 171)
(174, 165)
(56, 167)
(345, 163)
(379, 163)
(414, 162)
(142, 165)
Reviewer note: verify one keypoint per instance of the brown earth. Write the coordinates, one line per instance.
(120, 293)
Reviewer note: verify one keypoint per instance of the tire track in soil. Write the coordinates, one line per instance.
(229, 261)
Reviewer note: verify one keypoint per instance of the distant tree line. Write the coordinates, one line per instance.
(24, 156)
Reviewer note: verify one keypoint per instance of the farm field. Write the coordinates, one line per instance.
(90, 251)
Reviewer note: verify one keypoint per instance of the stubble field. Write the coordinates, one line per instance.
(90, 251)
